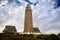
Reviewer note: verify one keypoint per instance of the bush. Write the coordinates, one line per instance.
(41, 36)
(51, 37)
(17, 36)
(59, 34)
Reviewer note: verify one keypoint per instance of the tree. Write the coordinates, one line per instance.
(41, 36)
(53, 37)
(59, 34)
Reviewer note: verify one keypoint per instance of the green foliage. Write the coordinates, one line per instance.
(51, 37)
(41, 36)
(17, 36)
(59, 34)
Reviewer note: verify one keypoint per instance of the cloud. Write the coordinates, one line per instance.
(57, 4)
(3, 2)
(12, 16)
(45, 17)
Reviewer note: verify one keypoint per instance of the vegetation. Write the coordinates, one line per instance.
(17, 36)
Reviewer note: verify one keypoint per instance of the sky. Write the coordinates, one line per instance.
(46, 14)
